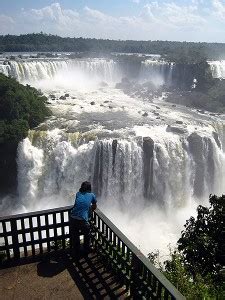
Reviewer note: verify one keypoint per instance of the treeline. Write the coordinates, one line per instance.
(21, 108)
(176, 51)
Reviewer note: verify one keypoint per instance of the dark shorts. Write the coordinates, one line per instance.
(77, 228)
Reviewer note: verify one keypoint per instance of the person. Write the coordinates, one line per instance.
(85, 202)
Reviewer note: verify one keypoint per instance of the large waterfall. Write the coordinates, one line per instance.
(168, 170)
(35, 70)
(150, 163)
(107, 70)
(218, 68)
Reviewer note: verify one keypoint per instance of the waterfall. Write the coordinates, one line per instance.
(150, 163)
(217, 68)
(168, 171)
(158, 71)
(35, 70)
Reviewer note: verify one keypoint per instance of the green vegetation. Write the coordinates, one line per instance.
(184, 52)
(209, 93)
(209, 97)
(21, 108)
(195, 267)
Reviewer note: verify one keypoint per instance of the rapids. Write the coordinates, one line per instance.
(150, 162)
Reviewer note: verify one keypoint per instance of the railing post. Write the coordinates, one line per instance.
(15, 240)
(133, 276)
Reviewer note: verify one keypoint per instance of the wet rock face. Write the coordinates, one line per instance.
(114, 148)
(52, 96)
(98, 170)
(176, 129)
(196, 148)
(216, 138)
(8, 169)
(201, 149)
(125, 84)
(148, 150)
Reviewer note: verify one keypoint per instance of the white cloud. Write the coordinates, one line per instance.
(51, 18)
(219, 9)
(155, 20)
(173, 14)
(96, 15)
(6, 24)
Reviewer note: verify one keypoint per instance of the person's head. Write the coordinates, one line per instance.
(85, 187)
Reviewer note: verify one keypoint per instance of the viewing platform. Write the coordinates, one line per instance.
(37, 262)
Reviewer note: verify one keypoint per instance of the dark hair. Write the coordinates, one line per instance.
(85, 187)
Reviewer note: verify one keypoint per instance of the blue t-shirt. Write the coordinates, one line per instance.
(83, 202)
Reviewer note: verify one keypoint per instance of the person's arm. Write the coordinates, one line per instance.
(93, 203)
(94, 206)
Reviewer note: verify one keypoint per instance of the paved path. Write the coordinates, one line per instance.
(60, 278)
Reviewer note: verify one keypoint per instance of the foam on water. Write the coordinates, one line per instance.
(150, 163)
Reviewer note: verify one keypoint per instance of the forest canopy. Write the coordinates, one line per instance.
(21, 108)
(175, 51)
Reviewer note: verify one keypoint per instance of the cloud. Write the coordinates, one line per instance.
(173, 14)
(219, 9)
(97, 16)
(6, 24)
(52, 18)
(155, 20)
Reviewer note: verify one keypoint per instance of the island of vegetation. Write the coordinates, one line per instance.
(21, 108)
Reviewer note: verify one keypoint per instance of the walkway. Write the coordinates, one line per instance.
(60, 278)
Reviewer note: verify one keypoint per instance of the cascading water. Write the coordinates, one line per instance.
(150, 163)
(32, 71)
(217, 68)
(158, 71)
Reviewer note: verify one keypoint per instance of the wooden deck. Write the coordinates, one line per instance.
(60, 277)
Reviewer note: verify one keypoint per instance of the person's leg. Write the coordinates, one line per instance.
(86, 232)
(75, 236)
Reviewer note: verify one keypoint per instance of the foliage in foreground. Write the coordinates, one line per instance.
(195, 267)
(193, 288)
(21, 108)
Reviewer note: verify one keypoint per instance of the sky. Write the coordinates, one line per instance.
(175, 20)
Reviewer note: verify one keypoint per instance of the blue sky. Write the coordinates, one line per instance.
(193, 20)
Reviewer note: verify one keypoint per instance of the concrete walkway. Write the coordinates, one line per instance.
(60, 278)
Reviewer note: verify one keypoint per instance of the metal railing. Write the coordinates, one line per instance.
(32, 234)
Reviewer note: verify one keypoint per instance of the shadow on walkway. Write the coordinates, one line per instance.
(50, 268)
(88, 274)
(93, 280)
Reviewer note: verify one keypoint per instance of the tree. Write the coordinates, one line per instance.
(201, 243)
(21, 108)
(195, 267)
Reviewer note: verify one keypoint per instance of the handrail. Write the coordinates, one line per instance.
(35, 213)
(32, 234)
(141, 257)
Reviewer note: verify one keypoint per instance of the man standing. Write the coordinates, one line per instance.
(85, 202)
